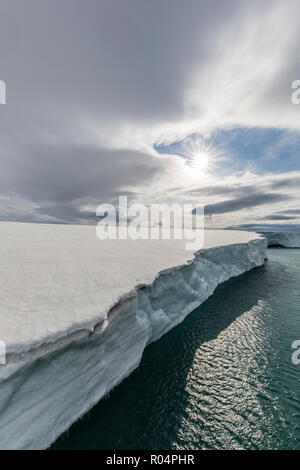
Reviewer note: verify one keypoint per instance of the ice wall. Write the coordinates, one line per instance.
(283, 239)
(40, 398)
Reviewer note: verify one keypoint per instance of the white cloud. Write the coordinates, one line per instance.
(92, 86)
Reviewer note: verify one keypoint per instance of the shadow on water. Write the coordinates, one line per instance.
(152, 407)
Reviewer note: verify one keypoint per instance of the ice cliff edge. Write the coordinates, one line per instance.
(283, 239)
(65, 359)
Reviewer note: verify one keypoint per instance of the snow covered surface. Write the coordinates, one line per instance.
(77, 313)
(284, 239)
(57, 280)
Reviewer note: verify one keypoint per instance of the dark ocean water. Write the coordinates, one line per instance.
(223, 379)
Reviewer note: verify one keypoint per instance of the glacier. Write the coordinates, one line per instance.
(77, 314)
(283, 239)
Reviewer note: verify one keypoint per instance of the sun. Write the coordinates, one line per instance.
(200, 161)
(199, 155)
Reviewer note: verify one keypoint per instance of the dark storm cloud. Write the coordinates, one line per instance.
(293, 211)
(247, 194)
(278, 217)
(127, 60)
(108, 62)
(62, 179)
(267, 227)
(68, 173)
(234, 205)
(220, 190)
(67, 213)
(286, 183)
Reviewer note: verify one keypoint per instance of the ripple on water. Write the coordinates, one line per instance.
(223, 379)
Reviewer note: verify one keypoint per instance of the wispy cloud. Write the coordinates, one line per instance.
(93, 94)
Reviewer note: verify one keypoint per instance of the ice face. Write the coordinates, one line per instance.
(58, 281)
(283, 239)
(151, 288)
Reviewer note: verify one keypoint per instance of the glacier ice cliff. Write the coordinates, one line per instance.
(283, 239)
(55, 376)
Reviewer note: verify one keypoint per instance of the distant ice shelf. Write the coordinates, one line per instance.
(283, 239)
(76, 314)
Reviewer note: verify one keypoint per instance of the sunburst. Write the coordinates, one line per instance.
(199, 155)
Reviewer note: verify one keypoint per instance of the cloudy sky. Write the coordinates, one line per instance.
(162, 100)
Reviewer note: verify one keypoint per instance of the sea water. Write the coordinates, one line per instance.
(222, 379)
